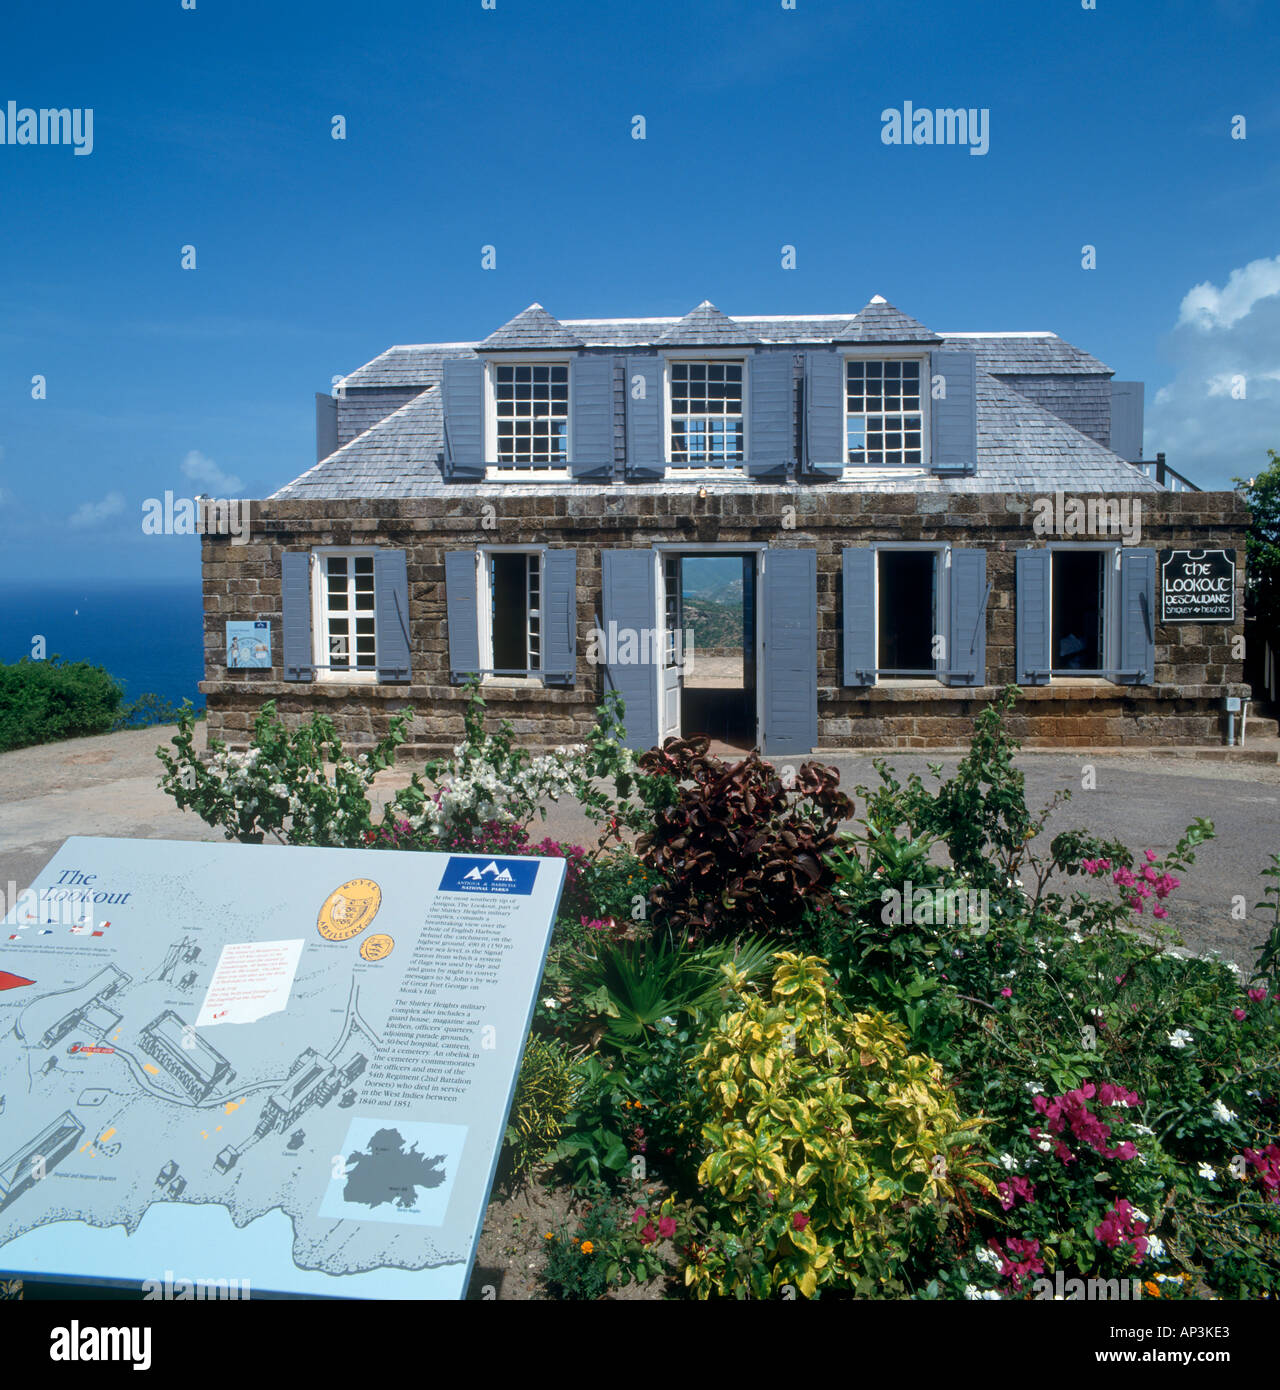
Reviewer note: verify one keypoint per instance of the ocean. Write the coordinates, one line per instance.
(149, 636)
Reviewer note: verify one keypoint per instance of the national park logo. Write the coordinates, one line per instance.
(349, 909)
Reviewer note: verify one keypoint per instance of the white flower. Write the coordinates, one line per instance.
(549, 1004)
(1076, 937)
(987, 1256)
(1155, 1247)
(1035, 1088)
(1140, 1215)
(1234, 968)
(1043, 1145)
(1222, 1114)
(971, 1291)
(1207, 1170)
(991, 1296)
(1142, 1129)
(1009, 1161)
(670, 1022)
(1179, 1038)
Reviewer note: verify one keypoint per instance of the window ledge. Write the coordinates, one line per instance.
(512, 682)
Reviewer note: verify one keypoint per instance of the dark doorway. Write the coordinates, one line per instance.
(1078, 584)
(718, 605)
(907, 612)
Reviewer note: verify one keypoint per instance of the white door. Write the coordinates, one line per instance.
(670, 606)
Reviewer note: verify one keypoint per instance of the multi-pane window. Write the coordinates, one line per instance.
(1077, 630)
(673, 587)
(349, 626)
(706, 414)
(515, 612)
(883, 418)
(532, 400)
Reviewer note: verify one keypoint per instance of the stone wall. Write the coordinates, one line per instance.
(1195, 666)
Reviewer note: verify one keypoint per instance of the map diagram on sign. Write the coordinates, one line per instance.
(230, 1044)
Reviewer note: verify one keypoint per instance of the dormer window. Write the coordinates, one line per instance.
(531, 415)
(707, 428)
(884, 419)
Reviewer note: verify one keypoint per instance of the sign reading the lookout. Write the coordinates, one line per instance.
(285, 1068)
(1197, 586)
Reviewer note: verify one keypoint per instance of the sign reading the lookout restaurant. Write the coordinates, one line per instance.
(1197, 586)
(229, 1069)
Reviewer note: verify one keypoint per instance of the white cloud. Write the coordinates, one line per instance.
(1221, 412)
(1206, 306)
(201, 469)
(89, 514)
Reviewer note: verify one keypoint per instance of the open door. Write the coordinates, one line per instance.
(750, 707)
(672, 609)
(790, 651)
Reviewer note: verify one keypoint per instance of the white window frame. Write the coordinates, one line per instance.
(484, 613)
(320, 615)
(1110, 616)
(508, 473)
(942, 608)
(696, 472)
(886, 470)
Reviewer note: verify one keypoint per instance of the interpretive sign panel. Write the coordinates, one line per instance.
(264, 1068)
(1197, 586)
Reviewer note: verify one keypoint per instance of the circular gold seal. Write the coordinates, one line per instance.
(349, 909)
(377, 947)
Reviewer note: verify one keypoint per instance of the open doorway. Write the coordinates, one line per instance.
(709, 604)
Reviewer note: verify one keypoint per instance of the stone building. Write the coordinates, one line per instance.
(914, 518)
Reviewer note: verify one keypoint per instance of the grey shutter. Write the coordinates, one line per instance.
(791, 651)
(591, 400)
(391, 587)
(825, 447)
(560, 616)
(460, 605)
(953, 420)
(771, 427)
(1137, 645)
(646, 448)
(858, 600)
(462, 400)
(631, 606)
(295, 616)
(967, 634)
(1032, 623)
(1126, 419)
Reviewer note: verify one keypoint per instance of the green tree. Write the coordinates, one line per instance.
(1262, 547)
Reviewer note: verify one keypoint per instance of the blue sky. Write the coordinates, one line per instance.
(512, 127)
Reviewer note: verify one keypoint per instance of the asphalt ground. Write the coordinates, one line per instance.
(108, 785)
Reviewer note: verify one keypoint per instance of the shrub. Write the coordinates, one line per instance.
(828, 1138)
(281, 786)
(44, 701)
(740, 850)
(544, 1094)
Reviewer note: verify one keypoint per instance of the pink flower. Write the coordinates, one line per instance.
(799, 1221)
(1151, 855)
(666, 1227)
(1258, 995)
(648, 1236)
(1237, 1014)
(1018, 1258)
(637, 1216)
(1159, 911)
(1006, 993)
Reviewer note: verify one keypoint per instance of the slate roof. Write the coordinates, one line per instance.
(1021, 448)
(705, 326)
(397, 457)
(880, 322)
(532, 328)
